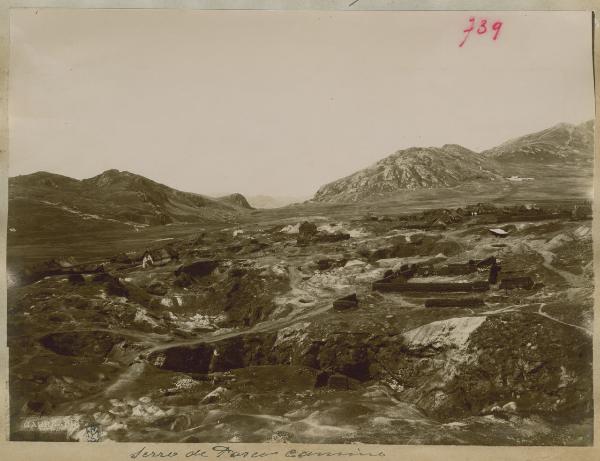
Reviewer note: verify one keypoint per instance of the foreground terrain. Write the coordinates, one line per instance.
(467, 325)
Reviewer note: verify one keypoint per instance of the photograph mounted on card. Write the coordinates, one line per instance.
(321, 227)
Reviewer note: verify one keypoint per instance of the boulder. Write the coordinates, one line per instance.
(215, 395)
(324, 264)
(330, 263)
(307, 228)
(510, 407)
(346, 302)
(306, 232)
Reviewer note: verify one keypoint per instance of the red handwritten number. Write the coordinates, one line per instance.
(496, 27)
(468, 31)
(482, 27)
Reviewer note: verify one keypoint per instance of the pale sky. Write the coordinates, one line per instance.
(280, 103)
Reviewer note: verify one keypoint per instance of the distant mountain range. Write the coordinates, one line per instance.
(269, 201)
(113, 199)
(554, 160)
(540, 154)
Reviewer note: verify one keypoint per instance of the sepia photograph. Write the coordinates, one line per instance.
(302, 227)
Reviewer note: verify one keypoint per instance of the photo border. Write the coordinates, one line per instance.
(121, 451)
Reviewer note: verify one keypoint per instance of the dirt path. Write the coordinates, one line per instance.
(543, 314)
(519, 308)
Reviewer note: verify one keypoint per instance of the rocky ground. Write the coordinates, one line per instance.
(315, 329)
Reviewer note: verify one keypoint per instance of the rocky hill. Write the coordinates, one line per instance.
(563, 151)
(563, 143)
(236, 200)
(410, 169)
(112, 199)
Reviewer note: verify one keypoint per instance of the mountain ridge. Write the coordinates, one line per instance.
(556, 143)
(562, 146)
(110, 199)
(410, 169)
(116, 199)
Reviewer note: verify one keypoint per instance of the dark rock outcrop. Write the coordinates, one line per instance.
(330, 263)
(199, 268)
(307, 229)
(346, 302)
(306, 233)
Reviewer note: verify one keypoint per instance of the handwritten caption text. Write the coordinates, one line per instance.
(226, 452)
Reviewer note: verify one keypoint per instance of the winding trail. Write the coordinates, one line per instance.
(519, 308)
(543, 314)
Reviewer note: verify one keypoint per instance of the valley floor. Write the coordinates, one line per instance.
(237, 332)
